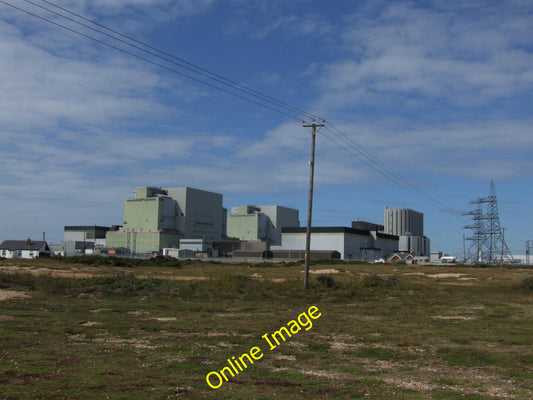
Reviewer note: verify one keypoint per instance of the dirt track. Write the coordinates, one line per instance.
(11, 294)
(16, 269)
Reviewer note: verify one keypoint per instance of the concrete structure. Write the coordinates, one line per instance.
(261, 222)
(24, 249)
(57, 249)
(352, 244)
(403, 221)
(179, 253)
(196, 245)
(418, 245)
(369, 226)
(158, 218)
(83, 239)
(92, 233)
(288, 255)
(409, 226)
(435, 256)
(381, 245)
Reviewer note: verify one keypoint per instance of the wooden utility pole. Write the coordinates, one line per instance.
(464, 250)
(503, 244)
(314, 130)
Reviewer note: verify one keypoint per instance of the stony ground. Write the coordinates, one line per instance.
(70, 331)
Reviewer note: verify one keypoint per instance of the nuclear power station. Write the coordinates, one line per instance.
(187, 222)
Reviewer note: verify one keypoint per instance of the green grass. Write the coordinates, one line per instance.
(150, 331)
(470, 357)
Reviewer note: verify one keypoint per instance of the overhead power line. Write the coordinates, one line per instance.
(355, 149)
(145, 52)
(180, 61)
(227, 87)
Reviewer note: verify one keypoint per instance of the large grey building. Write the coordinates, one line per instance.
(81, 239)
(85, 233)
(403, 221)
(409, 226)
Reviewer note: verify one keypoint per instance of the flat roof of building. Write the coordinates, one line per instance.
(387, 236)
(85, 227)
(326, 229)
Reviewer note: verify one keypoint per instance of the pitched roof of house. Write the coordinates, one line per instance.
(403, 255)
(23, 245)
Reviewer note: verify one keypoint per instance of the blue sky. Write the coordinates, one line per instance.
(439, 91)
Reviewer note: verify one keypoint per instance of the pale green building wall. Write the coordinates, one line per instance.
(244, 227)
(142, 242)
(156, 218)
(261, 222)
(142, 214)
(115, 239)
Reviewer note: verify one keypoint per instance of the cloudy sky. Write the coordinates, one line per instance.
(437, 94)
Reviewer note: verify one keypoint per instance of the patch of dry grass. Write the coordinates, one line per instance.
(386, 332)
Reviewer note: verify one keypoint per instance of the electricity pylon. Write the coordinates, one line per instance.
(488, 240)
(478, 238)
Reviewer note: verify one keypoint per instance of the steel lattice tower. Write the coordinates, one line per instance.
(488, 242)
(478, 238)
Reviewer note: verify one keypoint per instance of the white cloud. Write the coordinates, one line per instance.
(468, 58)
(306, 25)
(135, 12)
(436, 91)
(498, 149)
(40, 88)
(284, 140)
(440, 88)
(66, 108)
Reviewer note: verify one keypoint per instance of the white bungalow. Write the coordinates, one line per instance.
(24, 249)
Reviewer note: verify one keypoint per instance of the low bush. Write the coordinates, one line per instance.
(527, 283)
(385, 281)
(326, 281)
(123, 261)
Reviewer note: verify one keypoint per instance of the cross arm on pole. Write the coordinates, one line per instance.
(314, 125)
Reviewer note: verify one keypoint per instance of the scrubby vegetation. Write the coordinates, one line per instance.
(149, 331)
(122, 261)
(527, 283)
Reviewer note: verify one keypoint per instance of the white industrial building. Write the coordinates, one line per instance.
(351, 243)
